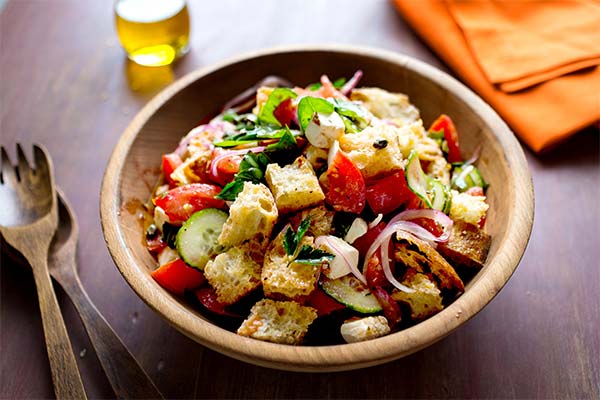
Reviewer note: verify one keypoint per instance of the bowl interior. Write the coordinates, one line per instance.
(134, 170)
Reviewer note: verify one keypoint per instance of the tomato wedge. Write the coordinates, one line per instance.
(391, 309)
(374, 273)
(285, 112)
(323, 303)
(208, 298)
(183, 201)
(226, 169)
(169, 163)
(445, 124)
(347, 189)
(387, 194)
(177, 277)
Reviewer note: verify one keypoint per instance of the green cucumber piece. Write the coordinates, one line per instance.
(197, 239)
(416, 179)
(352, 293)
(467, 176)
(439, 194)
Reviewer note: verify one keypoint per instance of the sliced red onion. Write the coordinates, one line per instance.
(247, 99)
(376, 221)
(437, 216)
(474, 157)
(228, 153)
(216, 127)
(337, 252)
(385, 264)
(351, 84)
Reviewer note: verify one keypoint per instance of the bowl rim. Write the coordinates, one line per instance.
(334, 357)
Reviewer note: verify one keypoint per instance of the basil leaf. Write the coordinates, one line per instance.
(291, 240)
(352, 111)
(311, 256)
(252, 169)
(339, 83)
(308, 106)
(286, 142)
(315, 86)
(277, 96)
(253, 135)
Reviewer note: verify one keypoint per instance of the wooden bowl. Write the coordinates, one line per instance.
(134, 168)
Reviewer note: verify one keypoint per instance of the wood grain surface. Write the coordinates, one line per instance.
(66, 83)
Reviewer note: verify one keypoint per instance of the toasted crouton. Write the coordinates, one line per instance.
(426, 300)
(294, 186)
(417, 254)
(283, 279)
(384, 104)
(364, 329)
(233, 275)
(468, 246)
(284, 322)
(321, 220)
(371, 159)
(251, 216)
(468, 208)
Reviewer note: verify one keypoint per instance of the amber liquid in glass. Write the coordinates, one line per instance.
(153, 32)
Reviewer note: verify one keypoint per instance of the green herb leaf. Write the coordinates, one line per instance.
(315, 86)
(253, 135)
(277, 96)
(169, 234)
(353, 112)
(252, 169)
(310, 255)
(437, 135)
(287, 142)
(292, 239)
(308, 106)
(339, 83)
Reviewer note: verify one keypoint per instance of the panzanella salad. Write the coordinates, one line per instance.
(318, 215)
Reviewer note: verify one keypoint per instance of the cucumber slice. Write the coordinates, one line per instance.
(467, 176)
(416, 179)
(197, 239)
(439, 194)
(352, 293)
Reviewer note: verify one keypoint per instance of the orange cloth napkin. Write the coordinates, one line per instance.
(535, 62)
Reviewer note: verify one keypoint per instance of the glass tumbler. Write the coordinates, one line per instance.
(153, 32)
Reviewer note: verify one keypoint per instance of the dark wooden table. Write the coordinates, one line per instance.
(66, 83)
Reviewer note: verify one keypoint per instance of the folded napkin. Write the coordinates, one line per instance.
(535, 62)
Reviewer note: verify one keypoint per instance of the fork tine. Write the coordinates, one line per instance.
(7, 171)
(42, 163)
(23, 168)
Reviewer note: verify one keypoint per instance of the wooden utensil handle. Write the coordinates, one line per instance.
(65, 374)
(125, 375)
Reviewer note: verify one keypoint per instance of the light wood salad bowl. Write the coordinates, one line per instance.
(133, 170)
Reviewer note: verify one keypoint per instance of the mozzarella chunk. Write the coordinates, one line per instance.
(344, 254)
(324, 129)
(160, 217)
(364, 329)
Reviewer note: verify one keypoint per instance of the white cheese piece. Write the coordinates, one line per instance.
(344, 254)
(364, 329)
(323, 129)
(160, 217)
(358, 228)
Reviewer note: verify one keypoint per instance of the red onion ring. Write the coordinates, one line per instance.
(351, 84)
(337, 252)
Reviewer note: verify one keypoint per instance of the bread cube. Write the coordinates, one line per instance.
(372, 158)
(468, 208)
(233, 275)
(284, 279)
(294, 186)
(251, 216)
(284, 322)
(425, 301)
(384, 104)
(468, 246)
(321, 220)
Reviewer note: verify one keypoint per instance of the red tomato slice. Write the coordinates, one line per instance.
(169, 163)
(445, 124)
(391, 309)
(323, 303)
(347, 189)
(429, 224)
(183, 201)
(363, 243)
(475, 191)
(208, 298)
(178, 277)
(226, 169)
(285, 112)
(387, 194)
(374, 273)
